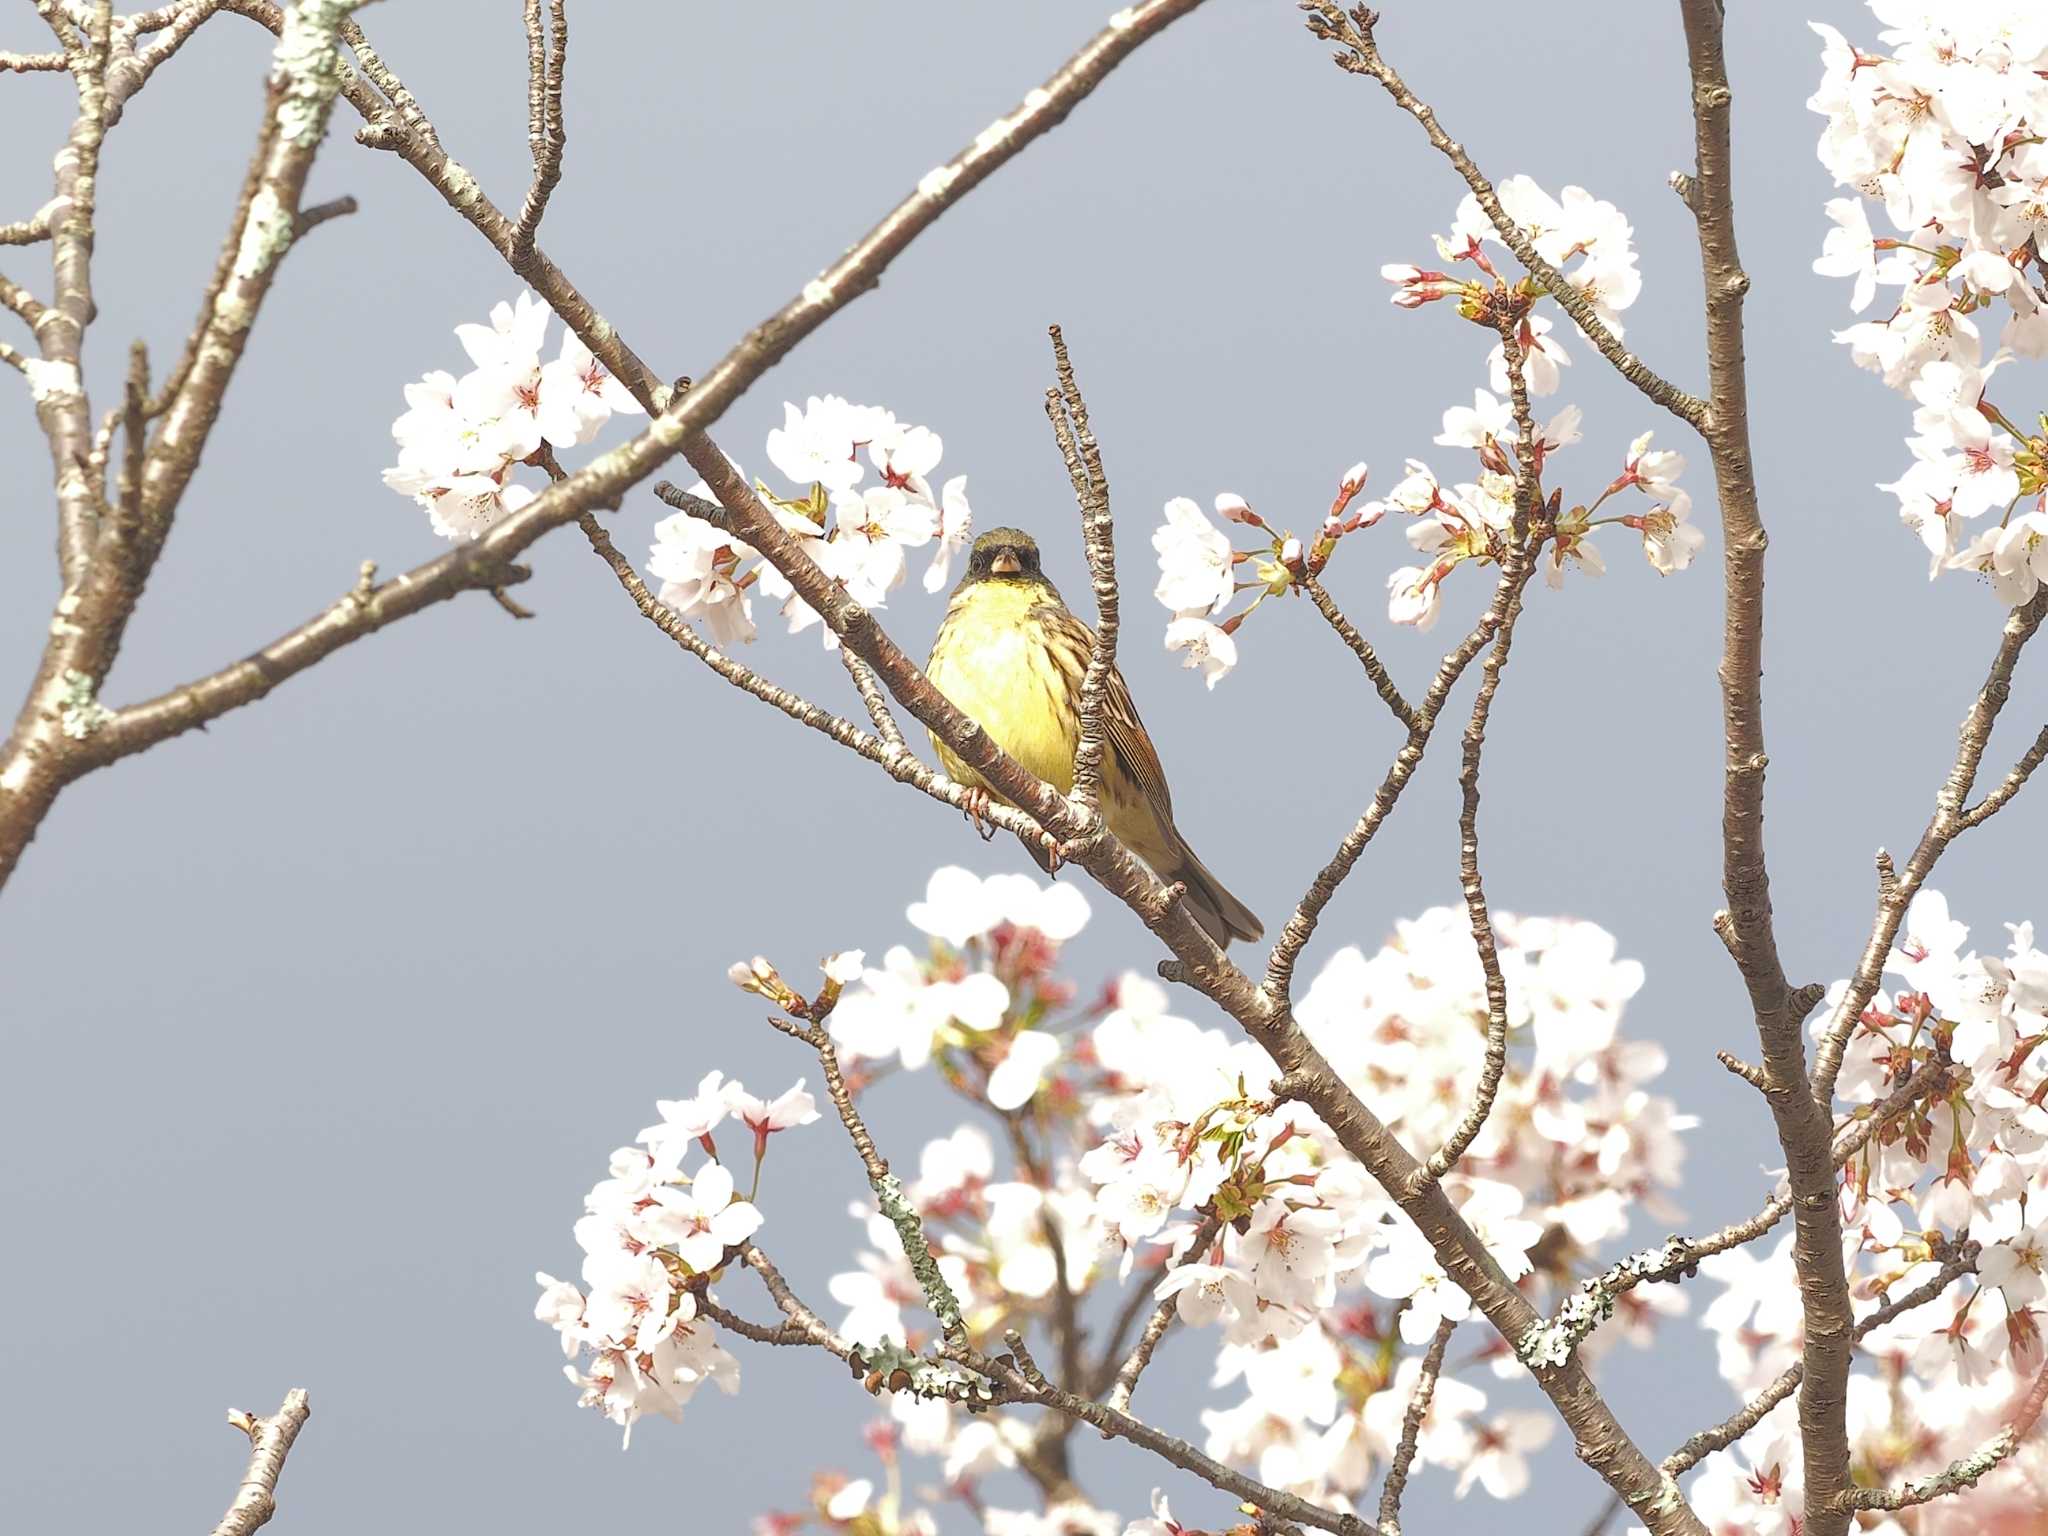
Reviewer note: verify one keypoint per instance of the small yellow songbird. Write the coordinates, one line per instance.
(1011, 655)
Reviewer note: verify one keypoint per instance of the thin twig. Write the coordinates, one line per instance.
(875, 700)
(900, 765)
(1494, 1065)
(1411, 1429)
(889, 1192)
(1994, 802)
(1375, 669)
(1898, 887)
(1125, 1382)
(1733, 1428)
(545, 133)
(1301, 926)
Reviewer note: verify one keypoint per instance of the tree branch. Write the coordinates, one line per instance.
(1375, 669)
(270, 1442)
(1068, 413)
(1125, 1382)
(1353, 32)
(1897, 888)
(546, 134)
(1481, 920)
(1702, 1445)
(1411, 1428)
(1301, 926)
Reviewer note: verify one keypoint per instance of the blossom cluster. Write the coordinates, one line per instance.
(1964, 1164)
(858, 534)
(1468, 521)
(1944, 129)
(1120, 1146)
(460, 441)
(1320, 1295)
(652, 1234)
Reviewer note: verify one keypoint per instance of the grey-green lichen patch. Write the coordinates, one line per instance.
(909, 1227)
(307, 65)
(459, 186)
(83, 713)
(1551, 1342)
(889, 1367)
(266, 235)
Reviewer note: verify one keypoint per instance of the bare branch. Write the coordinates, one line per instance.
(1411, 1428)
(1995, 802)
(1961, 1474)
(1375, 669)
(1896, 887)
(32, 63)
(889, 1195)
(545, 133)
(1069, 415)
(25, 304)
(875, 701)
(1301, 926)
(360, 612)
(1749, 1072)
(1024, 1383)
(1496, 1061)
(312, 218)
(1702, 1445)
(1125, 1382)
(270, 1442)
(31, 230)
(895, 759)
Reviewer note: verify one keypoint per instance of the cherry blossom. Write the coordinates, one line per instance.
(461, 439)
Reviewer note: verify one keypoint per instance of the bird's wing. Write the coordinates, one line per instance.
(1125, 732)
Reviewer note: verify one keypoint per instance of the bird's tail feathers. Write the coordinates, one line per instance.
(1222, 916)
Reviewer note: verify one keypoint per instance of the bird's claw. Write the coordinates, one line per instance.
(1055, 852)
(975, 806)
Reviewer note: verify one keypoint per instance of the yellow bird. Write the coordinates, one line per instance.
(1011, 655)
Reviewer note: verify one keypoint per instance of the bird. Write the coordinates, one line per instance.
(1010, 654)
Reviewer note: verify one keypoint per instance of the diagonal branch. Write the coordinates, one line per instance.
(1702, 1445)
(1301, 926)
(1411, 1428)
(1897, 888)
(270, 1442)
(1124, 1383)
(1375, 669)
(1353, 32)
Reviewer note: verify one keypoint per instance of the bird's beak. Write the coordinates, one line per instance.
(1006, 564)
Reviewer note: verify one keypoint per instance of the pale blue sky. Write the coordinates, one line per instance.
(320, 1023)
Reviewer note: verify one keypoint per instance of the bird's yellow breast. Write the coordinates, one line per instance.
(992, 659)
